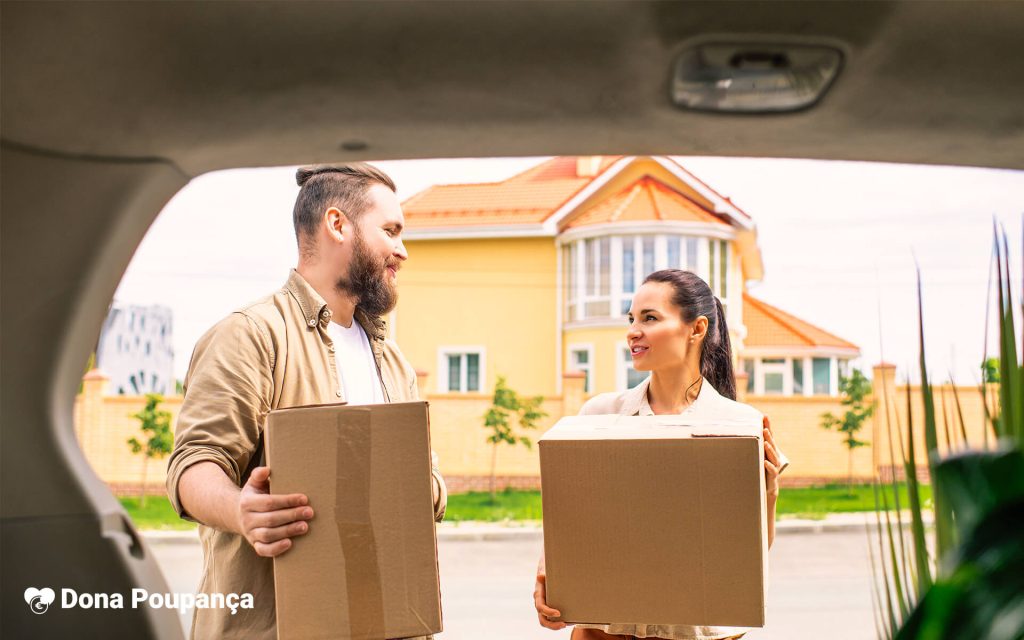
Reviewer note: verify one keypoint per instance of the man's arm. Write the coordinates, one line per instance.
(228, 394)
(267, 521)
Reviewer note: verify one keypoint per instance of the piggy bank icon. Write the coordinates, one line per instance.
(39, 600)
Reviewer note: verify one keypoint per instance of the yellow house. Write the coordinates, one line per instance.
(530, 278)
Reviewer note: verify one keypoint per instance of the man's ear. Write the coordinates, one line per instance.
(337, 224)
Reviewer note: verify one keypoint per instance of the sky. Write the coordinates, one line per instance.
(839, 241)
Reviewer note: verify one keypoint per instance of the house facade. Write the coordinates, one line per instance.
(531, 278)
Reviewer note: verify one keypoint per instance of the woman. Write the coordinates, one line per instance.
(677, 331)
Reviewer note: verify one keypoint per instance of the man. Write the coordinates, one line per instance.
(320, 339)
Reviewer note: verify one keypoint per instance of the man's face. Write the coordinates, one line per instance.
(377, 253)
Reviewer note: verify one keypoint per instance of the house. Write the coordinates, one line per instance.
(530, 277)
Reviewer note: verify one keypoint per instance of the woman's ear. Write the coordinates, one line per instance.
(700, 329)
(336, 224)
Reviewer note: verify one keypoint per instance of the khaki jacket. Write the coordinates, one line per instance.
(274, 353)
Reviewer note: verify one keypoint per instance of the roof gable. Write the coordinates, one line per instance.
(769, 326)
(646, 199)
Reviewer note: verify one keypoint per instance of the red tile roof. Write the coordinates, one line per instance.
(529, 197)
(769, 326)
(644, 200)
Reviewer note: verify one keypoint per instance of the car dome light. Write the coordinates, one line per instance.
(752, 78)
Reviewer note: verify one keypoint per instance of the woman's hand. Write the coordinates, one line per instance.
(772, 463)
(545, 614)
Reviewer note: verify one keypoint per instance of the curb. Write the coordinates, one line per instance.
(488, 532)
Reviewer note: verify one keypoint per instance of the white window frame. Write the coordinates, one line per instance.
(705, 247)
(588, 369)
(762, 368)
(442, 367)
(623, 362)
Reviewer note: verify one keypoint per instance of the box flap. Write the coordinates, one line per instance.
(615, 427)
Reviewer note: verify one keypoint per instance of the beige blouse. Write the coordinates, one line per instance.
(632, 403)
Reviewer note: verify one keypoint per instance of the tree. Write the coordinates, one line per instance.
(990, 370)
(854, 390)
(156, 424)
(497, 420)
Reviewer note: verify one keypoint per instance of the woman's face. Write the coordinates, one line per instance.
(657, 337)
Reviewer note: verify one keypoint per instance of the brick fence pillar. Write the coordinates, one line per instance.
(741, 385)
(573, 392)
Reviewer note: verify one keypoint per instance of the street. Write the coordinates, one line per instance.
(820, 587)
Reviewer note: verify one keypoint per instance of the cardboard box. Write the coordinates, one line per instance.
(367, 568)
(655, 520)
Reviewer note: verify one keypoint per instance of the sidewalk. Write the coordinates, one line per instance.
(492, 531)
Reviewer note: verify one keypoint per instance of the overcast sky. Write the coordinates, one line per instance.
(839, 241)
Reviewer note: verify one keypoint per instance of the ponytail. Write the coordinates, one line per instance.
(716, 355)
(694, 298)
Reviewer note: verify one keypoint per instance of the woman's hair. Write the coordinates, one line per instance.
(694, 298)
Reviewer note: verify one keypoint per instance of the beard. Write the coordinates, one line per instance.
(376, 293)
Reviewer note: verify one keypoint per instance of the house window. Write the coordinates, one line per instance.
(628, 376)
(844, 368)
(460, 370)
(822, 374)
(691, 254)
(672, 252)
(723, 266)
(581, 359)
(597, 277)
(718, 267)
(569, 273)
(648, 253)
(629, 276)
(798, 376)
(773, 371)
(748, 368)
(602, 274)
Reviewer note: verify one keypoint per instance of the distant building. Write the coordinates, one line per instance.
(136, 350)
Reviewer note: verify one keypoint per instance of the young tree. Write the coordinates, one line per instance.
(498, 421)
(990, 369)
(156, 424)
(854, 390)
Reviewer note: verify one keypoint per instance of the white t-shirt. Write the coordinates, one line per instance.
(357, 372)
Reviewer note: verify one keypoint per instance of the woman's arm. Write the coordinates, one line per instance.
(772, 469)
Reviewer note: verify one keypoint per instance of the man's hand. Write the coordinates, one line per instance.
(269, 521)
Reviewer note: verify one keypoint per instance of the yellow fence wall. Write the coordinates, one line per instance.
(104, 424)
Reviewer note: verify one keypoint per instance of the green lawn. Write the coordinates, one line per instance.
(817, 502)
(158, 514)
(811, 502)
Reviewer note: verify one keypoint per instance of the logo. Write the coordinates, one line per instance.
(39, 599)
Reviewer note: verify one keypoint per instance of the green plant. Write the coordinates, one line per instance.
(159, 441)
(854, 390)
(498, 420)
(973, 584)
(990, 370)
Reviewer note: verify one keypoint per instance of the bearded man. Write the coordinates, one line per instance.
(320, 339)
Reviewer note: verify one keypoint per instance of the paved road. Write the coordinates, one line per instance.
(820, 587)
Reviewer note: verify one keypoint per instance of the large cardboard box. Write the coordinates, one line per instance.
(655, 520)
(367, 568)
